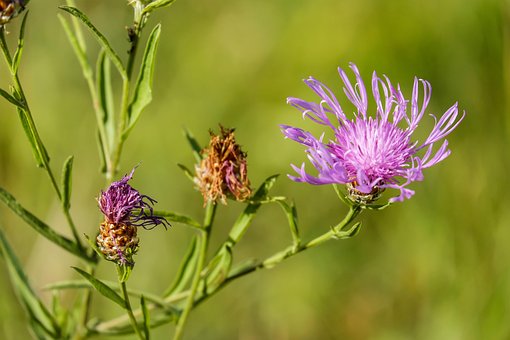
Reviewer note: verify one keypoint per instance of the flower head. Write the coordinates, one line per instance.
(223, 170)
(370, 153)
(124, 210)
(9, 9)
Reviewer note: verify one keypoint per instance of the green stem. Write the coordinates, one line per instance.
(203, 240)
(134, 36)
(130, 311)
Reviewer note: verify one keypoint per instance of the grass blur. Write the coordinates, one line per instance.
(434, 267)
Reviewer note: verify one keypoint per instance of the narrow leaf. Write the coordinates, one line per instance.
(343, 234)
(41, 227)
(35, 308)
(174, 217)
(163, 317)
(219, 267)
(38, 149)
(78, 48)
(143, 89)
(102, 288)
(146, 318)
(291, 213)
(83, 284)
(186, 270)
(157, 4)
(11, 99)
(195, 146)
(104, 89)
(243, 221)
(21, 42)
(187, 172)
(66, 186)
(101, 39)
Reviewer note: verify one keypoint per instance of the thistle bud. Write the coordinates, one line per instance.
(9, 9)
(124, 210)
(223, 170)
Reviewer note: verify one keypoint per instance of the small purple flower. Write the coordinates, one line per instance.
(120, 203)
(124, 209)
(370, 153)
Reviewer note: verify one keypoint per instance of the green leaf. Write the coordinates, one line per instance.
(186, 270)
(11, 99)
(146, 318)
(40, 317)
(195, 146)
(174, 217)
(78, 47)
(38, 149)
(21, 41)
(41, 227)
(291, 213)
(343, 234)
(82, 284)
(102, 288)
(243, 221)
(143, 89)
(217, 270)
(101, 39)
(187, 172)
(157, 4)
(66, 186)
(104, 89)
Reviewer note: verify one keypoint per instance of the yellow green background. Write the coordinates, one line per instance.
(434, 267)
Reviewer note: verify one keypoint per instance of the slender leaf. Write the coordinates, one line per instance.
(291, 213)
(21, 42)
(102, 288)
(174, 217)
(157, 4)
(146, 318)
(143, 89)
(243, 221)
(218, 269)
(78, 48)
(38, 313)
(186, 270)
(343, 234)
(187, 172)
(83, 284)
(195, 146)
(38, 149)
(41, 227)
(101, 39)
(66, 186)
(105, 94)
(11, 99)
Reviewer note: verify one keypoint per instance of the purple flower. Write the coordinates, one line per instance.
(124, 209)
(371, 153)
(121, 204)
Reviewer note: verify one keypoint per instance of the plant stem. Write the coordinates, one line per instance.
(130, 311)
(134, 36)
(203, 240)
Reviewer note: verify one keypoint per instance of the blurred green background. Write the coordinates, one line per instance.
(434, 267)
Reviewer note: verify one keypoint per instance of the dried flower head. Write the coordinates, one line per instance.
(9, 9)
(223, 171)
(124, 210)
(370, 153)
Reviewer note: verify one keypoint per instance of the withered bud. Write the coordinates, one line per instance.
(223, 170)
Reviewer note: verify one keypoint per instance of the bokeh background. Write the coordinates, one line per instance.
(434, 267)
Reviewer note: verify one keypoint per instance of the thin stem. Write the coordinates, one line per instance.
(134, 36)
(130, 311)
(203, 240)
